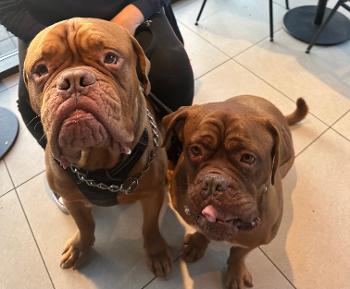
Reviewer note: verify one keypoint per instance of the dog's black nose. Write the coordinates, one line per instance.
(213, 183)
(76, 79)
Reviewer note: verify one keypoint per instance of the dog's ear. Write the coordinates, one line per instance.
(143, 66)
(276, 148)
(173, 124)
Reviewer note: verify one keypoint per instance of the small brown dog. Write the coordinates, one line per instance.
(82, 78)
(227, 181)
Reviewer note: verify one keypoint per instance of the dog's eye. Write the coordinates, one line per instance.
(40, 70)
(195, 151)
(248, 159)
(111, 58)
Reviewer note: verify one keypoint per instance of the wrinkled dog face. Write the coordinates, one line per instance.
(82, 81)
(229, 162)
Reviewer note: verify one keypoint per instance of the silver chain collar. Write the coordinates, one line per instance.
(130, 184)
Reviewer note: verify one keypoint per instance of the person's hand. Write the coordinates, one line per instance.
(130, 18)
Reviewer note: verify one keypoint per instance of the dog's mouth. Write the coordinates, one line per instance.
(211, 214)
(81, 126)
(79, 131)
(223, 226)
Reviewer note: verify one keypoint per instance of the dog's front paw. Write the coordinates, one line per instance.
(238, 278)
(194, 247)
(160, 262)
(75, 253)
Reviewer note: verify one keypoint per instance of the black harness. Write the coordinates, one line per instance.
(101, 192)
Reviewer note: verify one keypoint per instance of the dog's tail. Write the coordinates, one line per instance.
(299, 113)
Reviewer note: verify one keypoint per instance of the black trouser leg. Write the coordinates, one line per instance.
(31, 120)
(171, 73)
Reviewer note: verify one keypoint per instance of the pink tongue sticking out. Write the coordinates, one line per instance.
(210, 213)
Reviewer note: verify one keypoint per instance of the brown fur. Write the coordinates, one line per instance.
(79, 45)
(213, 175)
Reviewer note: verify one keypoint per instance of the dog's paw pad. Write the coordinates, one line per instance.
(194, 247)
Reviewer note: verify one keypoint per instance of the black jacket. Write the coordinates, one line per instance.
(25, 18)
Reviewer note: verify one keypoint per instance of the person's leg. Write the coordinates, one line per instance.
(31, 120)
(171, 73)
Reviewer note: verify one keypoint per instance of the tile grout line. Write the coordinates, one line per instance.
(149, 282)
(282, 273)
(278, 90)
(7, 88)
(30, 228)
(305, 148)
(256, 43)
(15, 187)
(217, 66)
(337, 132)
(206, 40)
(338, 119)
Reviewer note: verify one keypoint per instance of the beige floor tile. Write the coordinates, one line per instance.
(117, 260)
(231, 79)
(203, 55)
(235, 28)
(8, 82)
(21, 264)
(187, 11)
(26, 157)
(207, 273)
(321, 77)
(312, 244)
(343, 126)
(8, 98)
(5, 180)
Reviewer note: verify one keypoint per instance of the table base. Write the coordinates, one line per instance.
(8, 130)
(299, 22)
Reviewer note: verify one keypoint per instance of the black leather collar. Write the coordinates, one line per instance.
(115, 176)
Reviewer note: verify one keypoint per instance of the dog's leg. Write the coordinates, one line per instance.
(77, 247)
(237, 275)
(157, 252)
(194, 246)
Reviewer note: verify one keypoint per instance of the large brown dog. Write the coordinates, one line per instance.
(227, 182)
(87, 80)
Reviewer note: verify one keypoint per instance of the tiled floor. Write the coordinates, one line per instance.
(231, 55)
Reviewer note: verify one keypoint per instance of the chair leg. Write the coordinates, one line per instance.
(287, 4)
(271, 19)
(323, 26)
(200, 11)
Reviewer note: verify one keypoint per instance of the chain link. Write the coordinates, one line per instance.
(132, 182)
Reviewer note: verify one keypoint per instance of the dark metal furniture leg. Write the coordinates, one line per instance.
(271, 19)
(317, 35)
(321, 8)
(200, 11)
(287, 4)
